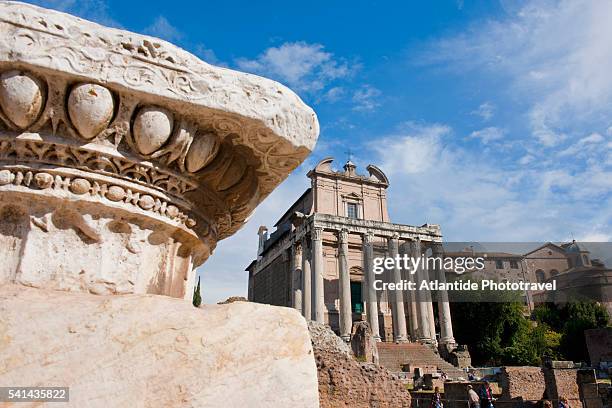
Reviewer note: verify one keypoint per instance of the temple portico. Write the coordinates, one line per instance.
(320, 260)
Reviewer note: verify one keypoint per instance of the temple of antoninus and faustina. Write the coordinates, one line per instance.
(319, 260)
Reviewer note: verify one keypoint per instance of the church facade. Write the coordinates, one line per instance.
(319, 260)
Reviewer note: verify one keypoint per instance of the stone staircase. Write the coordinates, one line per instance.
(392, 356)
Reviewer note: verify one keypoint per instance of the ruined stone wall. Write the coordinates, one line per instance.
(345, 382)
(562, 382)
(526, 383)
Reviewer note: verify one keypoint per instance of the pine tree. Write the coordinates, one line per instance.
(197, 298)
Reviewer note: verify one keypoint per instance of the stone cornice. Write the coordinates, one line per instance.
(60, 42)
(430, 233)
(221, 140)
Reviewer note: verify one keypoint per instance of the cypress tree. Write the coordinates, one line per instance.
(197, 298)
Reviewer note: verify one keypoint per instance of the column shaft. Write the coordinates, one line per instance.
(368, 268)
(318, 284)
(413, 320)
(424, 333)
(344, 281)
(429, 300)
(296, 272)
(444, 313)
(399, 318)
(306, 280)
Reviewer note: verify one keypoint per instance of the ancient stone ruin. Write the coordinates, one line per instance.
(123, 160)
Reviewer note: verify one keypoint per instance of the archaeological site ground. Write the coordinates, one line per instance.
(275, 204)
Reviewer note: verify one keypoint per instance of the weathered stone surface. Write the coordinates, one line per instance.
(233, 299)
(124, 159)
(90, 108)
(325, 339)
(562, 382)
(22, 96)
(154, 351)
(363, 343)
(525, 383)
(344, 382)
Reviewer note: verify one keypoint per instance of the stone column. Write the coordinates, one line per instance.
(344, 286)
(318, 283)
(429, 300)
(444, 313)
(399, 318)
(413, 322)
(296, 276)
(306, 279)
(424, 332)
(368, 269)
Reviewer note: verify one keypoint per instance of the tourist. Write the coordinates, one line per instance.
(436, 400)
(486, 396)
(546, 404)
(473, 399)
(563, 403)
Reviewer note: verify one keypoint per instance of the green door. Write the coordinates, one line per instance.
(356, 301)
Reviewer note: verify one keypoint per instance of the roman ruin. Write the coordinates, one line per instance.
(123, 161)
(320, 260)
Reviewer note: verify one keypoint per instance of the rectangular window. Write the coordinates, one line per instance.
(513, 264)
(499, 264)
(351, 210)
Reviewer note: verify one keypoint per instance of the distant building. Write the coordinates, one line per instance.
(570, 264)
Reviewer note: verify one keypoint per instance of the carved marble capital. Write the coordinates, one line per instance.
(124, 159)
(343, 235)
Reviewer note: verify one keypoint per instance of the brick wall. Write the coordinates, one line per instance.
(562, 382)
(525, 383)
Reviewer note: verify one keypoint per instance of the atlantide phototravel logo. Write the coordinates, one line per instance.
(493, 271)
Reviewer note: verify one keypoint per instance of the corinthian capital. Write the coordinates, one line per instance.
(317, 233)
(343, 235)
(142, 150)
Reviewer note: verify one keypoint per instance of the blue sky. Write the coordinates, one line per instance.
(492, 119)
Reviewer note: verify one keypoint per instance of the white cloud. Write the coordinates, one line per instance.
(488, 135)
(595, 236)
(162, 28)
(588, 145)
(366, 98)
(555, 56)
(412, 149)
(474, 197)
(486, 111)
(302, 66)
(208, 55)
(334, 94)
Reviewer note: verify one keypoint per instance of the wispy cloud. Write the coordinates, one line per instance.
(162, 28)
(488, 135)
(208, 55)
(555, 56)
(366, 98)
(334, 94)
(302, 66)
(473, 196)
(486, 111)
